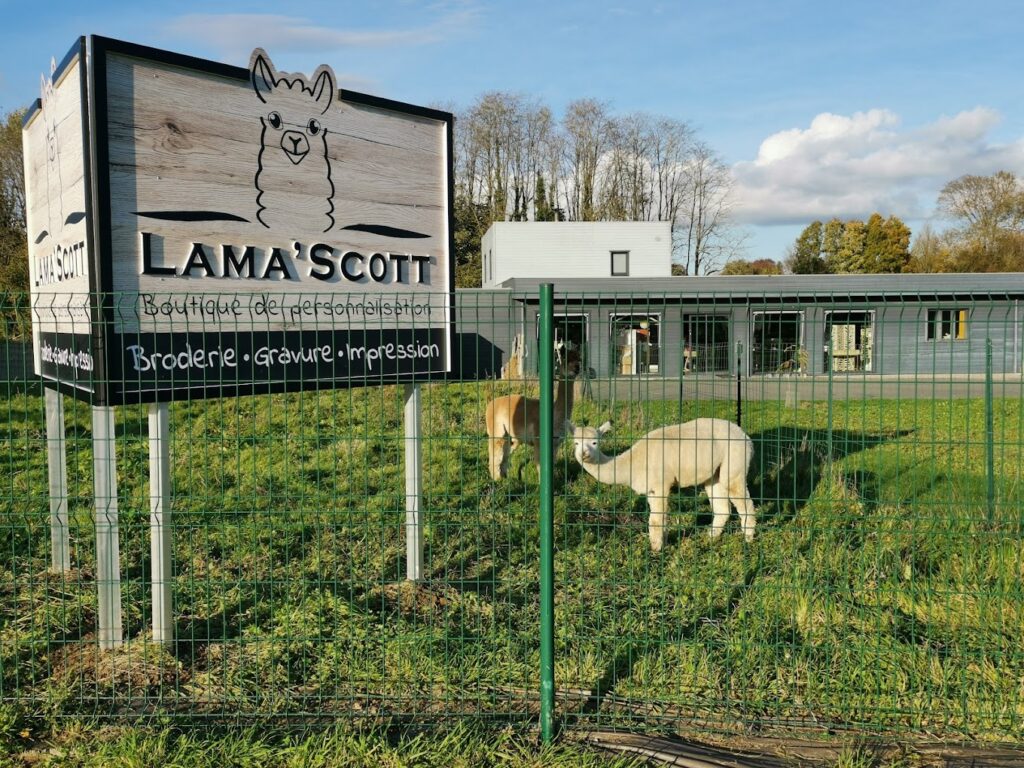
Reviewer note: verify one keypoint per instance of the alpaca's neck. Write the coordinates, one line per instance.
(565, 391)
(611, 470)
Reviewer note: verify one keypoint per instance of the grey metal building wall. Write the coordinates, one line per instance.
(903, 345)
(900, 343)
(486, 322)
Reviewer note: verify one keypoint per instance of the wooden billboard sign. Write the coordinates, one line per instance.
(199, 230)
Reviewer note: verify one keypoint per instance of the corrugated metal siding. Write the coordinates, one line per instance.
(485, 324)
(840, 289)
(903, 346)
(900, 344)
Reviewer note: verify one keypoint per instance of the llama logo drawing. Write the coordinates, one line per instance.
(293, 146)
(294, 181)
(54, 187)
(55, 218)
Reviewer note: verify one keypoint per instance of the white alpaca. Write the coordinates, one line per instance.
(712, 452)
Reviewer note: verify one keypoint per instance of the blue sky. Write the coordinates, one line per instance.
(819, 108)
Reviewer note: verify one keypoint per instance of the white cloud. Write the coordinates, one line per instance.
(234, 35)
(851, 166)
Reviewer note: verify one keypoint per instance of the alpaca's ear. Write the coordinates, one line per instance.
(569, 427)
(323, 87)
(604, 428)
(261, 73)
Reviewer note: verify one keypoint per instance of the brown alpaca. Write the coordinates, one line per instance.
(514, 420)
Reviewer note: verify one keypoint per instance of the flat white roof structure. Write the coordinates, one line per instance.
(552, 250)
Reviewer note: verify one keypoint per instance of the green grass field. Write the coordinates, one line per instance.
(876, 598)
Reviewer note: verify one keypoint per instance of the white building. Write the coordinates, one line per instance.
(552, 250)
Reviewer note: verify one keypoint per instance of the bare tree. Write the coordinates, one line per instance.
(486, 141)
(502, 144)
(984, 206)
(672, 142)
(586, 130)
(12, 172)
(515, 161)
(628, 170)
(531, 139)
(702, 232)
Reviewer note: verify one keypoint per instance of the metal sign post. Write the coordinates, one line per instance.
(413, 485)
(60, 538)
(160, 521)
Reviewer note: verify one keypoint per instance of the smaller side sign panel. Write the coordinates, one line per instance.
(59, 259)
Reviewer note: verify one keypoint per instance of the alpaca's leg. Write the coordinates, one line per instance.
(718, 495)
(535, 447)
(498, 448)
(516, 444)
(656, 522)
(507, 447)
(493, 460)
(740, 497)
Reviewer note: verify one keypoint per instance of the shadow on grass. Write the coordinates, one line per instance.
(790, 463)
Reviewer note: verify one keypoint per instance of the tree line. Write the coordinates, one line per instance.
(851, 247)
(986, 235)
(516, 161)
(13, 239)
(988, 227)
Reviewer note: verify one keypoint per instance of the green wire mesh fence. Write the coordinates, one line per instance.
(346, 552)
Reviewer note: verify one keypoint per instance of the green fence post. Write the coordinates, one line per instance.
(990, 436)
(828, 433)
(547, 502)
(739, 383)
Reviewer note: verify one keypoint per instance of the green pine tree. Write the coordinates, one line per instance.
(805, 257)
(874, 245)
(850, 254)
(895, 255)
(831, 239)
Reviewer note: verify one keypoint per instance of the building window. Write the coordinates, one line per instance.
(636, 344)
(946, 324)
(849, 340)
(776, 344)
(705, 344)
(620, 263)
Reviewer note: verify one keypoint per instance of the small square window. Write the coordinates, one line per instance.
(620, 263)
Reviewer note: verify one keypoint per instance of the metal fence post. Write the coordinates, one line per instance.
(990, 436)
(739, 383)
(108, 547)
(547, 529)
(828, 427)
